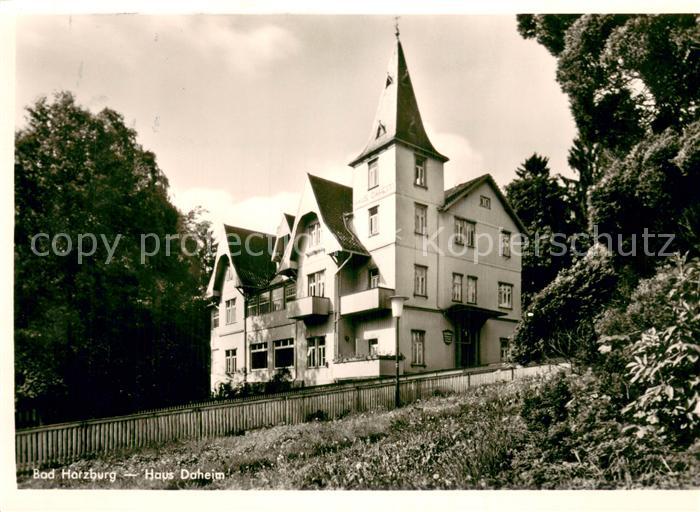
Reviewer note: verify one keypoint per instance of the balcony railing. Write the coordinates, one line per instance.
(374, 299)
(308, 307)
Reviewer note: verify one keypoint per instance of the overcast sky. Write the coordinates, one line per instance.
(238, 108)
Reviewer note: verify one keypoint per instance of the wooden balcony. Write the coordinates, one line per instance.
(367, 301)
(309, 307)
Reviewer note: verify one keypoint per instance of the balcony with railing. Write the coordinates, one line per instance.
(366, 301)
(308, 308)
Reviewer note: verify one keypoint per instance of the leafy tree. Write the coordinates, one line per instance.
(96, 335)
(540, 202)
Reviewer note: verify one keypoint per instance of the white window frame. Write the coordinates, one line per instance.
(457, 282)
(231, 311)
(316, 284)
(372, 174)
(417, 347)
(215, 317)
(505, 295)
(316, 352)
(420, 178)
(420, 219)
(505, 242)
(231, 361)
(420, 280)
(256, 348)
(280, 299)
(472, 285)
(373, 217)
(284, 344)
(313, 230)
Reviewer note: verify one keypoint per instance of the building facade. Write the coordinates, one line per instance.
(314, 298)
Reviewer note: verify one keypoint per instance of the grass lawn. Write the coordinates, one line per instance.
(475, 440)
(454, 441)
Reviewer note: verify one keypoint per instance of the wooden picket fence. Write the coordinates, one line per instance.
(62, 443)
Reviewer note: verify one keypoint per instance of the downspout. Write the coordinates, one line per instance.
(336, 308)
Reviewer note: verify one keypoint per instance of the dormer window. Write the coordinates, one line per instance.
(485, 202)
(313, 231)
(420, 179)
(381, 129)
(372, 174)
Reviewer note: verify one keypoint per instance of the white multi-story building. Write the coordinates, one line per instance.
(314, 297)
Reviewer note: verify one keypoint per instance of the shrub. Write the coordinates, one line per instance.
(665, 362)
(575, 297)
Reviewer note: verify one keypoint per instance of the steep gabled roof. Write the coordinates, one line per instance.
(251, 256)
(398, 118)
(335, 202)
(454, 194)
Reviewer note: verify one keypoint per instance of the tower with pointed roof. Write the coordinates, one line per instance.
(398, 168)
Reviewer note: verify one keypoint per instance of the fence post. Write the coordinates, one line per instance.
(512, 373)
(357, 399)
(287, 420)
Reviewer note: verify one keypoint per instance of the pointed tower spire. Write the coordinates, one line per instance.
(397, 118)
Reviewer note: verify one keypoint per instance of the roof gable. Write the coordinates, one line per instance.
(250, 252)
(334, 202)
(458, 192)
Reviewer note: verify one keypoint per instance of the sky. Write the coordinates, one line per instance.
(238, 108)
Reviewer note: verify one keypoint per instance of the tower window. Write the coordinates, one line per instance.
(420, 179)
(381, 129)
(420, 280)
(372, 174)
(421, 219)
(373, 220)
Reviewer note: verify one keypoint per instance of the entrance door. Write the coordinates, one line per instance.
(468, 347)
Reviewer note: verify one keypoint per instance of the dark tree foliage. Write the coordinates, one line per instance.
(96, 338)
(633, 83)
(540, 201)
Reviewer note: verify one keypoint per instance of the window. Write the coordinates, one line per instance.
(420, 171)
(464, 232)
(230, 311)
(471, 289)
(229, 273)
(316, 352)
(374, 278)
(215, 317)
(457, 287)
(373, 220)
(258, 356)
(316, 286)
(373, 346)
(278, 299)
(421, 219)
(372, 174)
(505, 244)
(284, 353)
(418, 347)
(485, 202)
(505, 349)
(505, 295)
(263, 303)
(290, 292)
(252, 305)
(231, 364)
(420, 285)
(313, 231)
